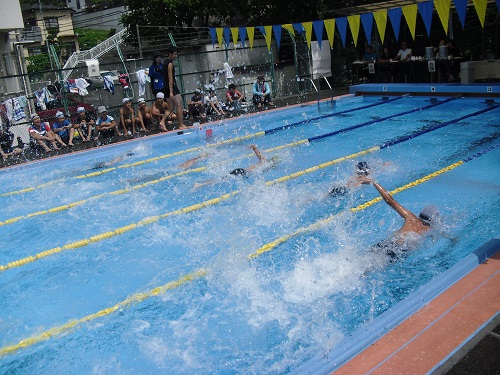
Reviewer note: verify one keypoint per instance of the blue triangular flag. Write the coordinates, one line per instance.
(298, 26)
(426, 9)
(461, 7)
(394, 15)
(367, 22)
(318, 30)
(277, 34)
(341, 23)
(227, 36)
(213, 35)
(262, 30)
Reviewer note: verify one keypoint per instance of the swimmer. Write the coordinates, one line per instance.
(406, 237)
(107, 164)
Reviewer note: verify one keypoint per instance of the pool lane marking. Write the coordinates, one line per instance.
(322, 222)
(126, 303)
(211, 202)
(141, 296)
(193, 149)
(308, 140)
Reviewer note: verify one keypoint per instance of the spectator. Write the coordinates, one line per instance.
(261, 93)
(196, 106)
(385, 70)
(404, 53)
(212, 104)
(40, 134)
(155, 73)
(370, 54)
(171, 90)
(63, 129)
(6, 139)
(144, 115)
(234, 97)
(161, 110)
(127, 117)
(105, 124)
(84, 124)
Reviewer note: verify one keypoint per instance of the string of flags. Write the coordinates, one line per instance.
(226, 35)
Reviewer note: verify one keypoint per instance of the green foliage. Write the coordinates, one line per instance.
(90, 38)
(38, 63)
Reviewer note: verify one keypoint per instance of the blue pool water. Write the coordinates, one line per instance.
(268, 314)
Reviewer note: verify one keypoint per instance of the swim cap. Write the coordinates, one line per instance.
(429, 214)
(80, 109)
(362, 168)
(59, 114)
(160, 95)
(34, 116)
(141, 100)
(125, 100)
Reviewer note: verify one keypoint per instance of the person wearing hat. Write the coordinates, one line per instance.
(162, 111)
(234, 97)
(63, 129)
(261, 93)
(155, 73)
(212, 104)
(6, 140)
(406, 237)
(172, 92)
(127, 117)
(105, 124)
(196, 106)
(144, 115)
(84, 124)
(41, 134)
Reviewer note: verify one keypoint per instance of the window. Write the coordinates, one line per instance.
(51, 23)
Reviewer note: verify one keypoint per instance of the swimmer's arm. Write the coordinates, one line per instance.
(262, 159)
(391, 201)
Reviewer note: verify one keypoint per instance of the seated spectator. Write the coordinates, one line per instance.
(212, 104)
(144, 115)
(370, 55)
(40, 134)
(63, 128)
(261, 93)
(385, 70)
(105, 124)
(404, 55)
(196, 106)
(6, 139)
(84, 124)
(234, 97)
(161, 109)
(127, 117)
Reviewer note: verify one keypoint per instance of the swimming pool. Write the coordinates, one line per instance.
(128, 269)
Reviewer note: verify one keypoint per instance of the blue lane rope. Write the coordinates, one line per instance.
(283, 127)
(379, 120)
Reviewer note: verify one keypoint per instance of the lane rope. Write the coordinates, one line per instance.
(141, 296)
(322, 222)
(193, 149)
(214, 201)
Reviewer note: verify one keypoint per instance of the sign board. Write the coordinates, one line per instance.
(93, 68)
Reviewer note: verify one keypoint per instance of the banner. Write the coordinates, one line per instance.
(410, 13)
(318, 30)
(426, 9)
(220, 31)
(367, 22)
(298, 26)
(354, 22)
(213, 35)
(330, 30)
(289, 27)
(243, 35)
(461, 7)
(227, 36)
(443, 11)
(250, 33)
(234, 33)
(268, 35)
(381, 22)
(308, 28)
(277, 35)
(342, 26)
(480, 6)
(395, 18)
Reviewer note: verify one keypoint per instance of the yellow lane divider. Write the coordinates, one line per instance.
(150, 220)
(321, 223)
(141, 162)
(133, 299)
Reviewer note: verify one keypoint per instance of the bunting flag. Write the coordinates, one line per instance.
(250, 32)
(443, 11)
(227, 36)
(367, 22)
(318, 30)
(308, 28)
(220, 31)
(342, 26)
(213, 35)
(410, 13)
(234, 34)
(354, 22)
(461, 7)
(277, 35)
(289, 27)
(426, 9)
(298, 26)
(480, 6)
(330, 30)
(381, 21)
(395, 18)
(243, 35)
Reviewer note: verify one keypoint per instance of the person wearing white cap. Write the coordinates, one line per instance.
(61, 127)
(144, 115)
(162, 110)
(105, 124)
(127, 117)
(40, 134)
(84, 124)
(406, 237)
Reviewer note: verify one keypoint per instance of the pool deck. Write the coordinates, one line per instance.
(429, 341)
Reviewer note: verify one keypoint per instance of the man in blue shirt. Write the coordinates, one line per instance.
(261, 93)
(156, 75)
(63, 128)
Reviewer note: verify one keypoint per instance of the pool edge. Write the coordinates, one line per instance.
(387, 344)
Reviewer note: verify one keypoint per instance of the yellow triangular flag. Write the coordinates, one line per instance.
(410, 13)
(308, 27)
(381, 21)
(443, 11)
(250, 33)
(480, 6)
(330, 30)
(220, 36)
(289, 27)
(268, 36)
(354, 22)
(234, 33)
